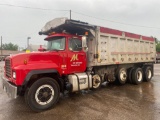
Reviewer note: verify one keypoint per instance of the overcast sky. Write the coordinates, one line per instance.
(16, 23)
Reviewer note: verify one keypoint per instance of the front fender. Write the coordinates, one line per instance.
(33, 72)
(24, 72)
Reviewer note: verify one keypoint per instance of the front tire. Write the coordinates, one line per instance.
(43, 94)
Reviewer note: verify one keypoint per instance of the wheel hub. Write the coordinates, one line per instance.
(96, 81)
(44, 94)
(123, 75)
(149, 74)
(139, 76)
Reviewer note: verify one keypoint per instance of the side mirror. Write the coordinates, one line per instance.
(84, 44)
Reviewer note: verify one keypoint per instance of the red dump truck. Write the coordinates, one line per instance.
(78, 56)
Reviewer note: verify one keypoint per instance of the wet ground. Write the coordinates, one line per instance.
(128, 102)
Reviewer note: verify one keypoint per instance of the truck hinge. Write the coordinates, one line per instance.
(96, 56)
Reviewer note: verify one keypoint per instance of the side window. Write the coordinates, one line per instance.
(75, 44)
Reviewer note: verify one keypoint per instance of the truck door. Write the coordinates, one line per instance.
(76, 56)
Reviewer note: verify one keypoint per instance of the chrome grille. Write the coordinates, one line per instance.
(8, 68)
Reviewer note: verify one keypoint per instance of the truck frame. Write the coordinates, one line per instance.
(79, 56)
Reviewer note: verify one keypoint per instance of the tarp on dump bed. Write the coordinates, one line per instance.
(61, 24)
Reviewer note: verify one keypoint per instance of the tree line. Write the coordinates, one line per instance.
(9, 46)
(157, 45)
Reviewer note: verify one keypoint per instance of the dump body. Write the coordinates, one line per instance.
(118, 47)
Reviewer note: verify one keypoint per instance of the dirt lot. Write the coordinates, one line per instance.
(111, 102)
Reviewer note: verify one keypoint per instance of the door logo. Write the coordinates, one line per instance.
(74, 57)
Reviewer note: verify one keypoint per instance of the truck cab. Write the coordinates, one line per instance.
(72, 58)
(64, 57)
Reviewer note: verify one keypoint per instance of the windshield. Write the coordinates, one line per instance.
(56, 43)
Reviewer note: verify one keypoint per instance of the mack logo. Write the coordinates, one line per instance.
(74, 57)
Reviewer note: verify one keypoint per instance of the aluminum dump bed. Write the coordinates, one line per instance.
(112, 46)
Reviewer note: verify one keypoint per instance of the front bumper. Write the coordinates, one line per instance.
(9, 88)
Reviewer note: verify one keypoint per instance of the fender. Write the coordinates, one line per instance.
(32, 72)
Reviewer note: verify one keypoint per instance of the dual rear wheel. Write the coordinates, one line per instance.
(134, 75)
(121, 75)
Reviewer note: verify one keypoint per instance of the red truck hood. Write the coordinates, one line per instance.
(38, 59)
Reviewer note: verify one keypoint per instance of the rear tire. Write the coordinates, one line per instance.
(148, 73)
(137, 76)
(43, 94)
(121, 75)
(129, 74)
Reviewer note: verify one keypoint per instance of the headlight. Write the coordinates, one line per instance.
(14, 75)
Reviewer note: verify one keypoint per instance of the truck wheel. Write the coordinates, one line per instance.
(121, 76)
(137, 76)
(96, 81)
(129, 74)
(43, 94)
(147, 73)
